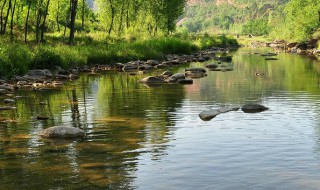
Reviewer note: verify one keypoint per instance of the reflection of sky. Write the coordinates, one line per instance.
(268, 150)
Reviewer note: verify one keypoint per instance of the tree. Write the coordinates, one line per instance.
(73, 13)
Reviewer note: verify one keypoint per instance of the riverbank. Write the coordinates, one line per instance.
(51, 66)
(309, 48)
(18, 58)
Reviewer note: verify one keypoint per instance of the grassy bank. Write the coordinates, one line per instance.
(17, 58)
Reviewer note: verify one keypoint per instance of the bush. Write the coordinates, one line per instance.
(71, 56)
(47, 58)
(14, 60)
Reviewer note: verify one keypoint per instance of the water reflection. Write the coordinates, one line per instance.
(135, 132)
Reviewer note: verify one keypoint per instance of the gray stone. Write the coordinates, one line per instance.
(178, 76)
(39, 72)
(151, 79)
(167, 73)
(195, 75)
(7, 87)
(9, 101)
(130, 68)
(193, 70)
(253, 108)
(2, 108)
(210, 114)
(62, 132)
(4, 91)
(212, 66)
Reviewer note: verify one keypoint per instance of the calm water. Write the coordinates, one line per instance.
(140, 137)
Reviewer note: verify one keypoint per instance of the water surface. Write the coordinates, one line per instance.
(140, 137)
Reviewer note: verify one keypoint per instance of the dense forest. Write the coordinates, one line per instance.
(32, 19)
(282, 19)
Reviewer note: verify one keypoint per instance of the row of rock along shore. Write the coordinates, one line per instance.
(303, 48)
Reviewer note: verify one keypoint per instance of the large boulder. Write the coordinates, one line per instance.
(62, 132)
(253, 108)
(152, 79)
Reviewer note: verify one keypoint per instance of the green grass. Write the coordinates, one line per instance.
(17, 58)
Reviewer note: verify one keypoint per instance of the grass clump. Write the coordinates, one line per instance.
(15, 59)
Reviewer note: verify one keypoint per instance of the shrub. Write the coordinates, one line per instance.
(47, 58)
(14, 60)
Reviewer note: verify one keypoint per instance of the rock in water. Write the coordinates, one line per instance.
(62, 132)
(210, 114)
(253, 108)
(152, 79)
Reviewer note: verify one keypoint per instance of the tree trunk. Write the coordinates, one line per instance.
(57, 16)
(26, 25)
(121, 18)
(82, 16)
(12, 16)
(74, 5)
(44, 21)
(67, 21)
(6, 18)
(112, 17)
(127, 16)
(1, 15)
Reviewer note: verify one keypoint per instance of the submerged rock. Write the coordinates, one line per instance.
(62, 132)
(253, 108)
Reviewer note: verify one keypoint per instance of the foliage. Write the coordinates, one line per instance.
(14, 60)
(256, 27)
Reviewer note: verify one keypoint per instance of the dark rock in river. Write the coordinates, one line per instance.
(167, 74)
(185, 81)
(212, 66)
(253, 108)
(62, 132)
(195, 75)
(178, 76)
(270, 58)
(42, 118)
(210, 114)
(152, 79)
(193, 70)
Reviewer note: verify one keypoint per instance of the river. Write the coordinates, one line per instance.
(140, 137)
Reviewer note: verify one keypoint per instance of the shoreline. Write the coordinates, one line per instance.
(308, 48)
(40, 79)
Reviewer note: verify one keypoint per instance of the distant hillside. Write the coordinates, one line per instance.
(226, 15)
